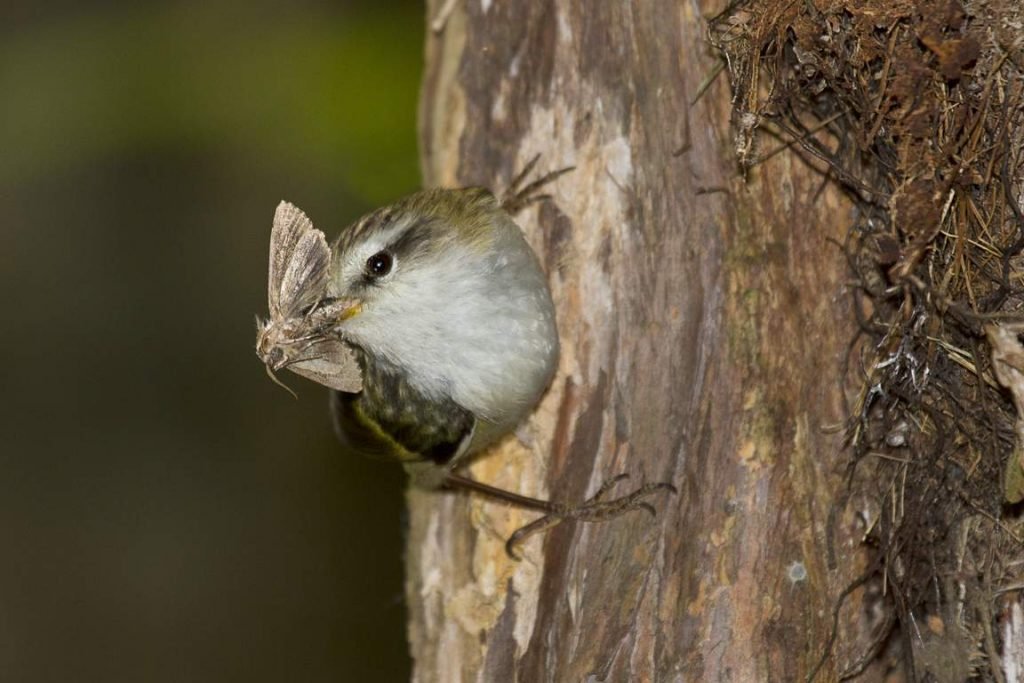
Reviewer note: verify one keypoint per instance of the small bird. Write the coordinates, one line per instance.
(432, 321)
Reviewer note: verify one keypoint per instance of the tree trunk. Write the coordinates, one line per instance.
(704, 325)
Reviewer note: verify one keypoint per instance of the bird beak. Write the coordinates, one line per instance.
(353, 309)
(334, 313)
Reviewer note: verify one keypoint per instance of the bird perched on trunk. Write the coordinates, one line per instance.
(432, 321)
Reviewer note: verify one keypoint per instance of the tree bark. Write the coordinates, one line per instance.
(704, 325)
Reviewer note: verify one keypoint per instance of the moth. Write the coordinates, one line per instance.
(300, 333)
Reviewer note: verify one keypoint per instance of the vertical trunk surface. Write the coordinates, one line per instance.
(704, 325)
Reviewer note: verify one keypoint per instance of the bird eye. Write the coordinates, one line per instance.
(379, 264)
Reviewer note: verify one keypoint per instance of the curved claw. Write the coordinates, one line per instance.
(667, 487)
(522, 533)
(513, 187)
(607, 486)
(516, 198)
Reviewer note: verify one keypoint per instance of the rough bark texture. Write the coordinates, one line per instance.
(704, 324)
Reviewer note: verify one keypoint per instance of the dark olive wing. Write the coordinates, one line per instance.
(360, 432)
(391, 419)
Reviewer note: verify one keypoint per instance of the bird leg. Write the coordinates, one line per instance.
(593, 509)
(515, 198)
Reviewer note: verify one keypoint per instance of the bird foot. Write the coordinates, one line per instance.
(517, 197)
(594, 509)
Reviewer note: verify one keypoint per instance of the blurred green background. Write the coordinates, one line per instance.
(166, 512)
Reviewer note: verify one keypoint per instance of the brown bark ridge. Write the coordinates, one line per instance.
(704, 325)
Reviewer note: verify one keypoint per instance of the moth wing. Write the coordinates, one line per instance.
(331, 363)
(299, 259)
(305, 277)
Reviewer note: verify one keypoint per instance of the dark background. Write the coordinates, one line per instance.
(166, 512)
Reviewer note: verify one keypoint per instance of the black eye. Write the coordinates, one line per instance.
(379, 264)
